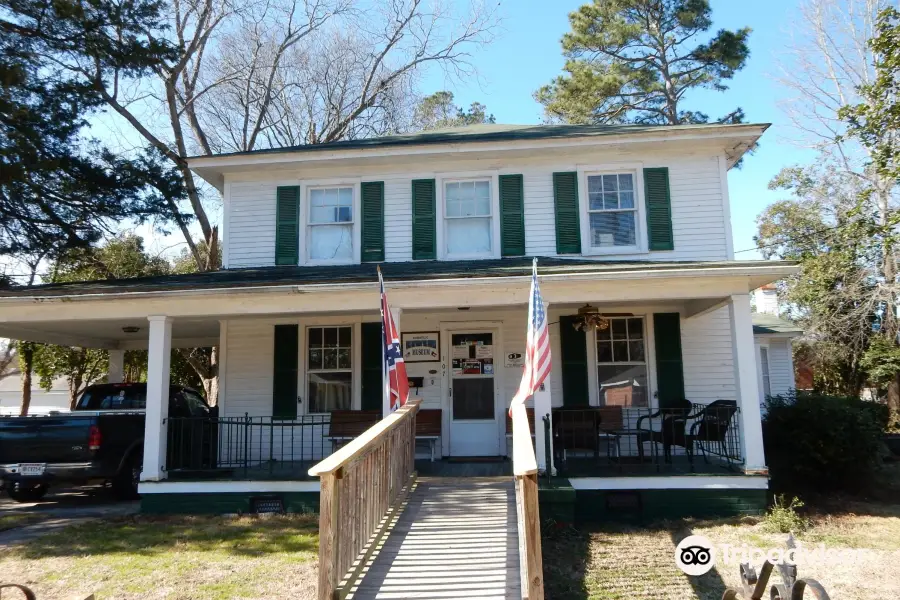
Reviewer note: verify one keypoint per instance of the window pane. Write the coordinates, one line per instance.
(620, 351)
(315, 358)
(468, 236)
(329, 391)
(604, 351)
(636, 351)
(619, 329)
(610, 201)
(612, 229)
(330, 359)
(596, 201)
(635, 329)
(343, 358)
(623, 385)
(626, 199)
(610, 183)
(595, 184)
(344, 337)
(626, 181)
(331, 337)
(331, 205)
(331, 242)
(315, 336)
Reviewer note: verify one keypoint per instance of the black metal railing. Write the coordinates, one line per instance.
(254, 446)
(627, 440)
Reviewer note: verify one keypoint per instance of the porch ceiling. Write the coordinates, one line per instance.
(109, 334)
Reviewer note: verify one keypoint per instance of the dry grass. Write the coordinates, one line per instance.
(175, 558)
(638, 562)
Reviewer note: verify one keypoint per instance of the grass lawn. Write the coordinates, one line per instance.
(620, 562)
(17, 520)
(196, 558)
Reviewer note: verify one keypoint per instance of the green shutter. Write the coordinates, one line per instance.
(659, 209)
(372, 193)
(512, 216)
(284, 388)
(423, 220)
(287, 225)
(568, 227)
(372, 363)
(573, 347)
(669, 365)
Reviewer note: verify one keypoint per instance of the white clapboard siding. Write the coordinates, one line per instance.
(706, 349)
(781, 376)
(698, 214)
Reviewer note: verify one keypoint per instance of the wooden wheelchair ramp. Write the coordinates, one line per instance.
(455, 538)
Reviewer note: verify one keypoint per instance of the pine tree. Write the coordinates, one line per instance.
(633, 61)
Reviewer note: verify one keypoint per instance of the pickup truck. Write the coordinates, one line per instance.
(101, 440)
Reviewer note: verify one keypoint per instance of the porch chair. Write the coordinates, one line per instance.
(710, 428)
(574, 430)
(660, 427)
(428, 427)
(610, 424)
(348, 424)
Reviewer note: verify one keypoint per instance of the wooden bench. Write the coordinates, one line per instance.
(529, 411)
(428, 427)
(348, 424)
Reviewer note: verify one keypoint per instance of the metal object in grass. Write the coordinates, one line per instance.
(792, 587)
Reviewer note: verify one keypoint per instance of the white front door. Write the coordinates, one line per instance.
(472, 393)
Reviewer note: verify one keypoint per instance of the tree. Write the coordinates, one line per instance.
(26, 366)
(121, 258)
(875, 122)
(8, 358)
(634, 61)
(57, 189)
(438, 111)
(828, 227)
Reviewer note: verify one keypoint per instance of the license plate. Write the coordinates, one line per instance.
(31, 469)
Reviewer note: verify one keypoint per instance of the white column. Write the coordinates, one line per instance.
(746, 382)
(116, 371)
(159, 356)
(542, 405)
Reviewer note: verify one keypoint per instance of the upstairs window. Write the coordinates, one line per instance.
(612, 210)
(468, 215)
(330, 225)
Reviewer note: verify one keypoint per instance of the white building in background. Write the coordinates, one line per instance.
(42, 402)
(774, 338)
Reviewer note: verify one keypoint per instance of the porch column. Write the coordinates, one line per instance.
(116, 371)
(159, 353)
(746, 382)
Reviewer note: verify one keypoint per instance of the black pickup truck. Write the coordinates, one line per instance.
(101, 440)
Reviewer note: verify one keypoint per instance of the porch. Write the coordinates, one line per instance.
(609, 441)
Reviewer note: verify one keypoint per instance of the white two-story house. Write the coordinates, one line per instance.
(653, 399)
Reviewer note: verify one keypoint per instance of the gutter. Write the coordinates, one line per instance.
(777, 271)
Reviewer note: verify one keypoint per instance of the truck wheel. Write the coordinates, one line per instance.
(125, 484)
(24, 492)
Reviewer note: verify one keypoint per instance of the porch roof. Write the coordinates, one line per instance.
(366, 273)
(765, 324)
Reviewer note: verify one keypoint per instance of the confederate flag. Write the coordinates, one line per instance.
(395, 368)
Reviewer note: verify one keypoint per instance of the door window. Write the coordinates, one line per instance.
(472, 391)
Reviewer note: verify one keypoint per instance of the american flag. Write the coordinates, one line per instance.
(394, 367)
(537, 346)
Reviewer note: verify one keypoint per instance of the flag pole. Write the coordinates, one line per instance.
(385, 393)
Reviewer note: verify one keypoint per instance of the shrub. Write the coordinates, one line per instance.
(784, 518)
(822, 443)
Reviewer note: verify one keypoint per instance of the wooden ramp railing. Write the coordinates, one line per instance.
(529, 521)
(360, 484)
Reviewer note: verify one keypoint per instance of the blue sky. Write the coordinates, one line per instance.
(527, 55)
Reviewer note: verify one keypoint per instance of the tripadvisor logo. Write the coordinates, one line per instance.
(695, 555)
